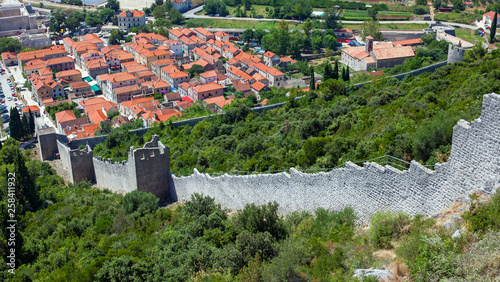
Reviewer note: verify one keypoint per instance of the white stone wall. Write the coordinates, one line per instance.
(474, 164)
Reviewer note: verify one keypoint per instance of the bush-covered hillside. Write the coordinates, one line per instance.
(79, 233)
(413, 118)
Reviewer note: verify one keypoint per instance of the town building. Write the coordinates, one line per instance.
(181, 5)
(204, 91)
(383, 55)
(131, 18)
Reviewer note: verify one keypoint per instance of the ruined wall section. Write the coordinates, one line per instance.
(147, 169)
(78, 162)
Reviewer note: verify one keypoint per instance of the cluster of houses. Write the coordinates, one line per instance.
(148, 78)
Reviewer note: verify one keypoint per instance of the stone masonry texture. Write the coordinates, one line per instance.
(474, 165)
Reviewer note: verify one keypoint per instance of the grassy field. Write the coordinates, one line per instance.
(406, 26)
(260, 10)
(227, 23)
(469, 35)
(464, 17)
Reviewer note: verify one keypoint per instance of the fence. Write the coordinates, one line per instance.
(382, 160)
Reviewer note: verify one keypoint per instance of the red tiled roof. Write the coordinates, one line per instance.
(135, 13)
(79, 84)
(408, 42)
(97, 116)
(32, 108)
(258, 86)
(65, 116)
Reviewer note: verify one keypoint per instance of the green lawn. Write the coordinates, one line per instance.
(405, 26)
(228, 23)
(469, 35)
(464, 17)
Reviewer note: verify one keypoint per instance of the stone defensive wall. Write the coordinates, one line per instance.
(474, 165)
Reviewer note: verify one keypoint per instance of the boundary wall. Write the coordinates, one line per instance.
(474, 164)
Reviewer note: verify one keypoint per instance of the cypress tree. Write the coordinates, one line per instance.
(343, 74)
(27, 194)
(312, 83)
(15, 125)
(336, 71)
(347, 76)
(328, 72)
(493, 29)
(26, 126)
(32, 122)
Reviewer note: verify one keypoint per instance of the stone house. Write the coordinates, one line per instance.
(131, 18)
(182, 5)
(203, 91)
(60, 64)
(271, 59)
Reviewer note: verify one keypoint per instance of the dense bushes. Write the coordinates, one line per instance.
(413, 118)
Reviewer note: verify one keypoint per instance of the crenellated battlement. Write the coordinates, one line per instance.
(474, 164)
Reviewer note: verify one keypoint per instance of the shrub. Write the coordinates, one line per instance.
(139, 201)
(482, 217)
(387, 226)
(261, 219)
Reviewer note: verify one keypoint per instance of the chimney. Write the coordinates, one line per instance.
(369, 44)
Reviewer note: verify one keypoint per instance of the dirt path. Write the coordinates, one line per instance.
(431, 8)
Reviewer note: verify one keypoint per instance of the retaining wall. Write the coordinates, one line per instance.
(474, 164)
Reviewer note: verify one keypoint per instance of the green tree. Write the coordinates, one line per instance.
(247, 35)
(437, 4)
(330, 88)
(371, 28)
(15, 125)
(31, 121)
(297, 40)
(493, 29)
(26, 126)
(159, 12)
(8, 44)
(307, 26)
(330, 16)
(328, 73)
(116, 36)
(312, 83)
(115, 20)
(215, 7)
(282, 38)
(476, 53)
(26, 190)
(175, 16)
(347, 75)
(106, 14)
(195, 70)
(93, 19)
(113, 5)
(330, 42)
(317, 42)
(336, 70)
(263, 218)
(343, 73)
(57, 23)
(104, 128)
(258, 34)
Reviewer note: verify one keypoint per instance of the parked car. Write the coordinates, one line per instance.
(216, 15)
(14, 94)
(9, 98)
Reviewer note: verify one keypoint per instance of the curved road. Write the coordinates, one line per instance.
(191, 14)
